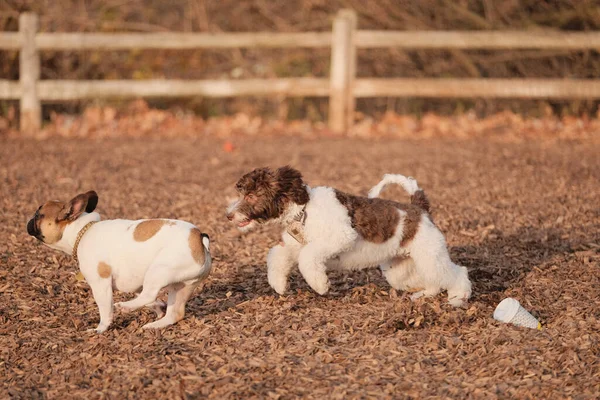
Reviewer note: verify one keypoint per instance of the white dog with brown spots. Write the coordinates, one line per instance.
(127, 255)
(326, 229)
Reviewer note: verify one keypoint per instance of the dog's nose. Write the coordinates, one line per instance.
(31, 228)
(230, 217)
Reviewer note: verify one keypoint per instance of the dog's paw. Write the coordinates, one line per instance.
(424, 293)
(321, 287)
(457, 301)
(281, 289)
(417, 295)
(278, 285)
(122, 307)
(160, 308)
(99, 329)
(161, 323)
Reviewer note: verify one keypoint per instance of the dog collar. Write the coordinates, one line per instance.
(79, 236)
(296, 228)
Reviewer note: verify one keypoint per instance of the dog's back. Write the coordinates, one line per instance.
(131, 247)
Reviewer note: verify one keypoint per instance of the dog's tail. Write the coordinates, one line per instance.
(207, 258)
(205, 240)
(417, 196)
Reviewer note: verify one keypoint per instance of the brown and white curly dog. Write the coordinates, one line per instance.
(326, 229)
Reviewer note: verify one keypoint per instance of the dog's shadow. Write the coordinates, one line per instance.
(500, 262)
(251, 283)
(211, 297)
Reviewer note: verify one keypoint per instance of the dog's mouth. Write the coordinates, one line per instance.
(243, 223)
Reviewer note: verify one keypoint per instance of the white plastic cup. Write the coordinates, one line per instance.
(510, 311)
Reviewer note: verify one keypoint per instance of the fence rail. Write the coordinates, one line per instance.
(342, 87)
(492, 40)
(178, 41)
(499, 88)
(73, 90)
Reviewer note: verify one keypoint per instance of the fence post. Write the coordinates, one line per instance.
(350, 101)
(343, 71)
(29, 73)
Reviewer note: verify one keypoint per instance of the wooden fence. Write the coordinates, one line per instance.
(342, 87)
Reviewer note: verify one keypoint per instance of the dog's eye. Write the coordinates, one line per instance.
(250, 197)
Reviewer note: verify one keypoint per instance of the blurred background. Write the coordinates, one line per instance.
(301, 16)
(513, 185)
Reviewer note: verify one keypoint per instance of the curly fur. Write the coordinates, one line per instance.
(344, 231)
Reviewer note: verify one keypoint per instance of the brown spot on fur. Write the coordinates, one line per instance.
(411, 223)
(104, 270)
(145, 230)
(419, 199)
(376, 220)
(196, 246)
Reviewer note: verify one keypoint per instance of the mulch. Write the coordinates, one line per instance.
(524, 217)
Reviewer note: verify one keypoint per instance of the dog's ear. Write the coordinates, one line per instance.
(92, 201)
(287, 173)
(82, 202)
(292, 185)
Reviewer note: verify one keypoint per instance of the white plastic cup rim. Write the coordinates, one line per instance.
(506, 310)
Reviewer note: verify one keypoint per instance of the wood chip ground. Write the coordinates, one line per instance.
(523, 217)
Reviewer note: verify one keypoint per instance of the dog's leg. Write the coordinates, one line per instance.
(179, 293)
(311, 263)
(399, 272)
(460, 291)
(103, 295)
(158, 307)
(154, 281)
(424, 293)
(427, 272)
(280, 262)
(434, 267)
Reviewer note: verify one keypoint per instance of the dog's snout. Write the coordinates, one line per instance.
(31, 229)
(230, 216)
